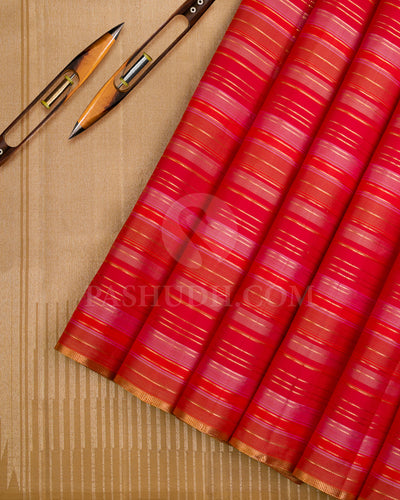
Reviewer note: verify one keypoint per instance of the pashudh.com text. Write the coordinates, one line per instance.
(256, 296)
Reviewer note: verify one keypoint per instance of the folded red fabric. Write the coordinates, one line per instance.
(299, 382)
(242, 348)
(383, 482)
(122, 293)
(350, 433)
(202, 284)
(229, 241)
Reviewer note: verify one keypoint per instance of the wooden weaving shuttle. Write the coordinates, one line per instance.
(138, 66)
(62, 87)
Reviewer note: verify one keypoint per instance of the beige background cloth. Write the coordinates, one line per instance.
(65, 432)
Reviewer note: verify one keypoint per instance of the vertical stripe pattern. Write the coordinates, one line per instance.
(84, 437)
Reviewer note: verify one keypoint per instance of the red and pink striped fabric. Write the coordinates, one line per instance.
(237, 358)
(354, 426)
(383, 482)
(296, 388)
(122, 293)
(201, 286)
(256, 212)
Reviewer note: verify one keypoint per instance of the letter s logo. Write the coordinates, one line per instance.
(198, 224)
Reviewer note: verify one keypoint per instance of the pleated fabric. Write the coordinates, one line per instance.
(220, 113)
(199, 289)
(232, 367)
(254, 291)
(354, 425)
(383, 482)
(299, 382)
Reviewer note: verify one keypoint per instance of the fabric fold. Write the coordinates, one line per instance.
(244, 345)
(359, 414)
(303, 373)
(220, 113)
(203, 282)
(383, 482)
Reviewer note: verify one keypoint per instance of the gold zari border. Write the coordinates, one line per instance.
(85, 361)
(324, 487)
(142, 395)
(200, 426)
(279, 465)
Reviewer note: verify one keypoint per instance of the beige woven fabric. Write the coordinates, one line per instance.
(65, 432)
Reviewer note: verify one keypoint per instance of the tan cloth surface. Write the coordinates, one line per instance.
(65, 432)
